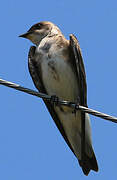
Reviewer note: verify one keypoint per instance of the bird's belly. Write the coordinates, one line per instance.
(59, 79)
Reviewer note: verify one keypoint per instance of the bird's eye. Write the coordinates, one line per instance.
(38, 26)
(35, 27)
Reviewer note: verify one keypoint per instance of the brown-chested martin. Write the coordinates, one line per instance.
(54, 71)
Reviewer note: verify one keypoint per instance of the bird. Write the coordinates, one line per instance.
(57, 69)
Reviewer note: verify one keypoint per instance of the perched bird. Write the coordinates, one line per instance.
(56, 67)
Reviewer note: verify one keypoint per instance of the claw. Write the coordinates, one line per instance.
(76, 105)
(54, 100)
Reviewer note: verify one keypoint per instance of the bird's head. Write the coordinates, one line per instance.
(40, 30)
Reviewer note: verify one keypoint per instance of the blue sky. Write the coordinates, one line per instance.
(31, 146)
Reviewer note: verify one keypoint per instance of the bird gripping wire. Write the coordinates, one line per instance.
(60, 102)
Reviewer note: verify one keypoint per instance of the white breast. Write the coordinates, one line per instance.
(59, 79)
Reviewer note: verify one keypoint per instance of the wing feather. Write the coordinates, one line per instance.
(87, 163)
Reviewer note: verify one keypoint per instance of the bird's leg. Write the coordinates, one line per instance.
(76, 105)
(54, 100)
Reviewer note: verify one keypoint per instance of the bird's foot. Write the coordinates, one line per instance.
(76, 105)
(54, 100)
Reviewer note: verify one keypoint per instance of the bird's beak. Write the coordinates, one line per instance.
(25, 35)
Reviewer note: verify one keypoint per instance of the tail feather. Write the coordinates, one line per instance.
(89, 164)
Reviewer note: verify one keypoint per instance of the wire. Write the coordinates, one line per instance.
(64, 103)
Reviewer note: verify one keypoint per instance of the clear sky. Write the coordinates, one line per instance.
(31, 146)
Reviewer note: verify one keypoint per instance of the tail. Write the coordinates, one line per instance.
(89, 164)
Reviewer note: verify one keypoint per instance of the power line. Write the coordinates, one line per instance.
(59, 102)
